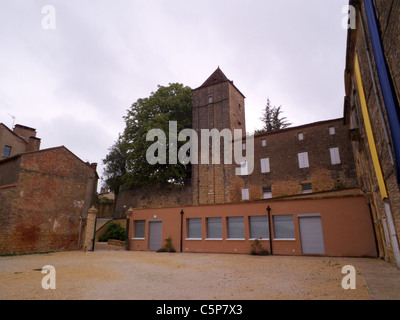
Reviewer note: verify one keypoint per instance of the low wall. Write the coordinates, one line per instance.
(346, 226)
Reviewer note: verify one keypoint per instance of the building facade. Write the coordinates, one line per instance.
(20, 139)
(371, 109)
(300, 198)
(45, 196)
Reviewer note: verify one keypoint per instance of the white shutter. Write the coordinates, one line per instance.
(265, 165)
(303, 160)
(245, 194)
(335, 157)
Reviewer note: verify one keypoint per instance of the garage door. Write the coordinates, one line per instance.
(312, 240)
(155, 231)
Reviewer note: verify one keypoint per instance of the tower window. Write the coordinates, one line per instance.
(210, 99)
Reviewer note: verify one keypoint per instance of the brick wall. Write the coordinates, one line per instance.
(388, 14)
(53, 192)
(285, 176)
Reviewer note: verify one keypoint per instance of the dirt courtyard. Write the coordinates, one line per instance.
(126, 275)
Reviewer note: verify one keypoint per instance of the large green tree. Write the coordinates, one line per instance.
(272, 119)
(172, 103)
(115, 165)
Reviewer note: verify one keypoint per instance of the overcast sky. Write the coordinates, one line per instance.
(75, 83)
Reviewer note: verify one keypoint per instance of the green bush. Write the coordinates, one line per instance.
(115, 232)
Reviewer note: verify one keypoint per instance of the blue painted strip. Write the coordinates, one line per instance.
(389, 96)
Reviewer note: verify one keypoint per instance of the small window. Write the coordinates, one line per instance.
(140, 227)
(244, 170)
(263, 143)
(245, 194)
(214, 228)
(210, 99)
(335, 157)
(259, 227)
(303, 160)
(300, 136)
(7, 151)
(332, 131)
(283, 227)
(307, 188)
(194, 228)
(243, 146)
(265, 165)
(235, 227)
(267, 193)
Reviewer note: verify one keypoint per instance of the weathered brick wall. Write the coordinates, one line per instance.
(388, 14)
(54, 190)
(210, 182)
(152, 198)
(285, 176)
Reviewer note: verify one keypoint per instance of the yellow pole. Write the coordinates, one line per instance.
(370, 135)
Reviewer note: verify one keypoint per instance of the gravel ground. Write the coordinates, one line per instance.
(120, 274)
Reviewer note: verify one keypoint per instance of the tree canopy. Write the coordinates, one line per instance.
(272, 119)
(172, 103)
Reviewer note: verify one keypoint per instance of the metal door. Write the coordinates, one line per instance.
(155, 235)
(312, 240)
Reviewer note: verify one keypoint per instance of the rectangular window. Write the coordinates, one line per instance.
(259, 227)
(283, 227)
(300, 136)
(210, 99)
(214, 228)
(335, 157)
(307, 188)
(7, 151)
(265, 165)
(263, 143)
(140, 227)
(243, 146)
(303, 160)
(267, 193)
(244, 169)
(194, 228)
(245, 194)
(331, 131)
(235, 227)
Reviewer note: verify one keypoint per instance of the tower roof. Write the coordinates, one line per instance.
(217, 77)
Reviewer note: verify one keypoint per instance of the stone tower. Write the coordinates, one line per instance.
(217, 104)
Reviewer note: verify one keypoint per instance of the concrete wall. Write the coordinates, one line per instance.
(346, 223)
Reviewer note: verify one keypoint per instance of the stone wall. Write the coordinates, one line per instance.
(388, 14)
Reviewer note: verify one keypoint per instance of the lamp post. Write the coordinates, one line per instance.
(182, 212)
(269, 230)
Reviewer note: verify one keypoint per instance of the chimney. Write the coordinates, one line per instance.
(29, 135)
(93, 166)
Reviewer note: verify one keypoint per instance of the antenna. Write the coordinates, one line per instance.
(12, 128)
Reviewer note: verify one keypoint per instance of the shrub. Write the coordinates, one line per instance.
(257, 248)
(115, 232)
(168, 247)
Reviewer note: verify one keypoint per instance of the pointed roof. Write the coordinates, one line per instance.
(217, 77)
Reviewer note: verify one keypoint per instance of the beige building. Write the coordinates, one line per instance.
(19, 140)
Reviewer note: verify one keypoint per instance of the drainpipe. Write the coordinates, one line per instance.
(182, 212)
(269, 230)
